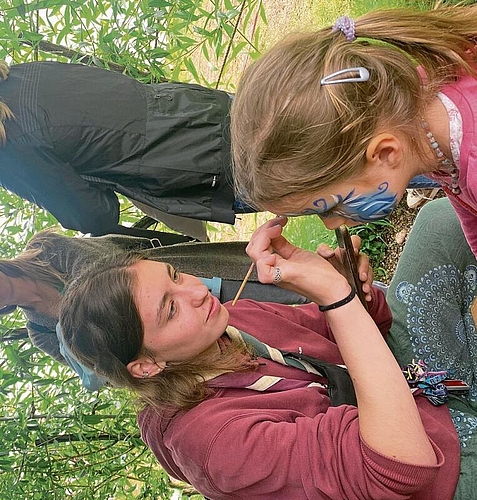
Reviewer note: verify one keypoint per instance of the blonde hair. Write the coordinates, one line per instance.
(101, 326)
(292, 135)
(5, 112)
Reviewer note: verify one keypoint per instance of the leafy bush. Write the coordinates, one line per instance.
(373, 244)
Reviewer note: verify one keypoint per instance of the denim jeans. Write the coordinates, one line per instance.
(422, 182)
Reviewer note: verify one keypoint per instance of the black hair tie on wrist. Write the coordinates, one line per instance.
(340, 303)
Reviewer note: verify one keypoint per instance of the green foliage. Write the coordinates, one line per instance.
(65, 442)
(151, 40)
(373, 244)
(308, 232)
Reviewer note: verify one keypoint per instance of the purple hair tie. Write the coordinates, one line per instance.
(346, 25)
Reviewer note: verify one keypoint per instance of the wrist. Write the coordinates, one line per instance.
(337, 289)
(334, 305)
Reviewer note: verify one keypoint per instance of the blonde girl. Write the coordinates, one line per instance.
(336, 122)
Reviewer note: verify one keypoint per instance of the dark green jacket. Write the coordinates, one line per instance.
(81, 133)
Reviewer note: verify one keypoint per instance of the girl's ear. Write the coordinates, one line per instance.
(145, 367)
(384, 150)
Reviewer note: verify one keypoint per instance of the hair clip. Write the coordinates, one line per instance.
(362, 72)
(347, 26)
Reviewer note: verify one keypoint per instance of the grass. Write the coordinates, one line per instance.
(308, 232)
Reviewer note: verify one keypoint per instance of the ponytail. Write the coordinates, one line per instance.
(291, 135)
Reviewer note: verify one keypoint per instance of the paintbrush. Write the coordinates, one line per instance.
(244, 282)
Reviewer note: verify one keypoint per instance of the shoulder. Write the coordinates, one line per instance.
(46, 241)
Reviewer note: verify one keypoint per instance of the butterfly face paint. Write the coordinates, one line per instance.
(356, 207)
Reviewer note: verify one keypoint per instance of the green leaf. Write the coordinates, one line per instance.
(263, 14)
(33, 37)
(112, 35)
(205, 52)
(92, 419)
(159, 4)
(21, 9)
(158, 53)
(237, 49)
(192, 69)
(231, 13)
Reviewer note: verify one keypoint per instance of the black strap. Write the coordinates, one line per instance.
(340, 386)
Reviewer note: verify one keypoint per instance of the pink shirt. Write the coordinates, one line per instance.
(463, 94)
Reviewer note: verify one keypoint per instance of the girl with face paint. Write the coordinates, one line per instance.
(337, 122)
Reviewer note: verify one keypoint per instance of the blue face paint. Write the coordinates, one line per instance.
(358, 208)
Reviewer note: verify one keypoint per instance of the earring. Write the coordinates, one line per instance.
(145, 374)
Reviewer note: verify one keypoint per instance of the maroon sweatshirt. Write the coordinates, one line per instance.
(292, 445)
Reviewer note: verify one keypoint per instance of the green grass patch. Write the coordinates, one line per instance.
(308, 232)
(374, 245)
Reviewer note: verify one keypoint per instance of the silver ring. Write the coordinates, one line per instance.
(145, 374)
(277, 276)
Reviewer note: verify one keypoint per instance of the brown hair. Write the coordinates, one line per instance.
(34, 262)
(292, 135)
(101, 326)
(5, 111)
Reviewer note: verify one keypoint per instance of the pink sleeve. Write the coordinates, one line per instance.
(322, 456)
(468, 221)
(309, 316)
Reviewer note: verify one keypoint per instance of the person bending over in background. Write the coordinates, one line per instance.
(73, 135)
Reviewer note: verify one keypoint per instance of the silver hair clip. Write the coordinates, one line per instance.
(363, 76)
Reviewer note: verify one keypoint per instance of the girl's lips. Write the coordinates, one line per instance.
(214, 307)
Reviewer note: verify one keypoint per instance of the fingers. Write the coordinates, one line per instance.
(268, 239)
(356, 240)
(365, 272)
(325, 251)
(336, 258)
(266, 268)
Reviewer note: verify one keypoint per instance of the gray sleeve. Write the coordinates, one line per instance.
(46, 340)
(70, 255)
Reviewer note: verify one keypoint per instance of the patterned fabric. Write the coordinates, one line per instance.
(442, 320)
(455, 126)
(430, 297)
(340, 388)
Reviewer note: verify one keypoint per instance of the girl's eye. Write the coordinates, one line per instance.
(328, 213)
(172, 310)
